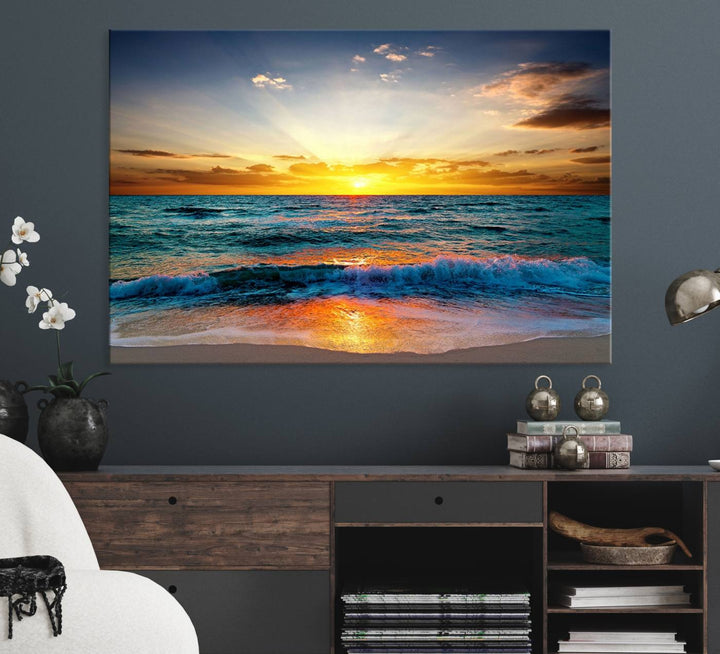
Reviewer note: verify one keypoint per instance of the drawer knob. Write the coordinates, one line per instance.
(439, 500)
(172, 500)
(172, 589)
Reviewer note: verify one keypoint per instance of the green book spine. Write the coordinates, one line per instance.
(555, 427)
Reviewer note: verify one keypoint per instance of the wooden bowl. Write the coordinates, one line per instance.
(615, 555)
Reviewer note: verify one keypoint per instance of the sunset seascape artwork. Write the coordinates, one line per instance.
(360, 197)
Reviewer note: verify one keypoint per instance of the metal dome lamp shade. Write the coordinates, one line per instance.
(691, 295)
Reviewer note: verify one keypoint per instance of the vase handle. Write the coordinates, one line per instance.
(103, 404)
(24, 386)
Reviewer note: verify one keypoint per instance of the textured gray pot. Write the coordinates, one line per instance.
(13, 410)
(73, 433)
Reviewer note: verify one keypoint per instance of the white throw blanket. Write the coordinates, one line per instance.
(104, 612)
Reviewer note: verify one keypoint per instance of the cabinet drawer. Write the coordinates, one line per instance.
(223, 525)
(254, 611)
(452, 502)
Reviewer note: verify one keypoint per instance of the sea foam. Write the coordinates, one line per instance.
(494, 275)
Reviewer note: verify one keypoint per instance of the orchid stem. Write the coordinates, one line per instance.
(57, 334)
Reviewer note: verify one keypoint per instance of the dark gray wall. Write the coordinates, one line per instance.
(664, 383)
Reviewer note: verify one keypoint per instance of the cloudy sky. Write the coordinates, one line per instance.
(360, 112)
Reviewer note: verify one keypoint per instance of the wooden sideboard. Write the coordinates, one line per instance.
(258, 555)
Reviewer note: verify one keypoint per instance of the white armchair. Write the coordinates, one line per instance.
(104, 612)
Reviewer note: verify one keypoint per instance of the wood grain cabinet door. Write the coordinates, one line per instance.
(157, 525)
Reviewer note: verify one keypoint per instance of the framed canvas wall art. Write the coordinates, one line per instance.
(409, 197)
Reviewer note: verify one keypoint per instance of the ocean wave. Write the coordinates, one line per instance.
(489, 228)
(163, 285)
(441, 277)
(196, 211)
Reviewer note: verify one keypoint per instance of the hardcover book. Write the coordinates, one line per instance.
(530, 460)
(622, 648)
(593, 442)
(624, 636)
(555, 427)
(669, 599)
(546, 460)
(627, 591)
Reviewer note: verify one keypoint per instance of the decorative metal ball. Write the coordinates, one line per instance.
(570, 452)
(543, 403)
(591, 403)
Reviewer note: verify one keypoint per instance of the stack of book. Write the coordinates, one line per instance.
(531, 446)
(647, 642)
(385, 621)
(584, 597)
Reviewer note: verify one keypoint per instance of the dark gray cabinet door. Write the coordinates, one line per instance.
(713, 571)
(440, 501)
(254, 612)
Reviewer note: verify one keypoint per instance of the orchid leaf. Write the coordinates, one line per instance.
(65, 371)
(88, 379)
(45, 389)
(53, 380)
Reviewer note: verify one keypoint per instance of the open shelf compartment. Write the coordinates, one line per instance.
(688, 626)
(490, 559)
(675, 506)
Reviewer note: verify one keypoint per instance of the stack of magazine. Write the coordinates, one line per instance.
(625, 642)
(584, 597)
(405, 621)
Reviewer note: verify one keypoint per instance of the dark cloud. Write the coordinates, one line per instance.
(453, 166)
(570, 112)
(507, 153)
(590, 148)
(496, 177)
(150, 153)
(394, 166)
(226, 171)
(289, 157)
(218, 176)
(541, 151)
(537, 79)
(473, 162)
(172, 155)
(592, 160)
(172, 171)
(261, 168)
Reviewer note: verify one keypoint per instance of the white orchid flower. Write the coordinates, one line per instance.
(36, 296)
(22, 258)
(56, 316)
(22, 231)
(9, 267)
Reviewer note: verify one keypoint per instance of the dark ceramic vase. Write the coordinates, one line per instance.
(73, 433)
(13, 410)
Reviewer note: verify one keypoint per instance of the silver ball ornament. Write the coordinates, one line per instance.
(570, 453)
(543, 403)
(591, 403)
